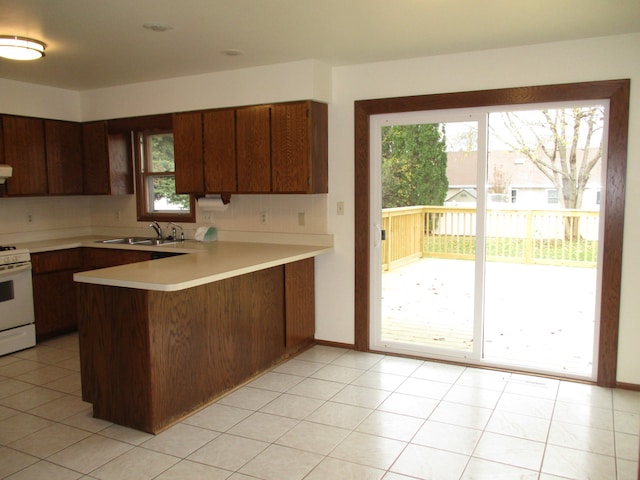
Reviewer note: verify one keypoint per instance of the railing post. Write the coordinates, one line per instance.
(528, 241)
(423, 227)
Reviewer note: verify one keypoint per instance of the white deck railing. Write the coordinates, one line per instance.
(554, 237)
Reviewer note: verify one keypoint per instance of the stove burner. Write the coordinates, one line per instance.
(3, 249)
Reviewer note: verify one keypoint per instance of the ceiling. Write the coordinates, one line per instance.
(100, 43)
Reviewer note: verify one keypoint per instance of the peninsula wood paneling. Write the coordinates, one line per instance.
(149, 358)
(114, 353)
(300, 302)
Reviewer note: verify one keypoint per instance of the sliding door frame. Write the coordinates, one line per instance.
(616, 91)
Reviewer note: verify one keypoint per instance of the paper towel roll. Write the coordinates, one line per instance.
(212, 202)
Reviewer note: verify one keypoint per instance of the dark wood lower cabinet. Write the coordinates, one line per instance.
(54, 291)
(54, 294)
(94, 258)
(149, 358)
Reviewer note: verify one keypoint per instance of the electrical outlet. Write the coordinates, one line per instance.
(301, 219)
(29, 217)
(207, 217)
(340, 208)
(118, 215)
(263, 218)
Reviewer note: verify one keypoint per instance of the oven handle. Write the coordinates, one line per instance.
(10, 271)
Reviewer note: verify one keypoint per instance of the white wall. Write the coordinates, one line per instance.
(20, 98)
(565, 62)
(588, 60)
(305, 80)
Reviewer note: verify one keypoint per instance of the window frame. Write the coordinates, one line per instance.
(553, 196)
(616, 91)
(142, 162)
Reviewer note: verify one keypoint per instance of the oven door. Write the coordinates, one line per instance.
(16, 296)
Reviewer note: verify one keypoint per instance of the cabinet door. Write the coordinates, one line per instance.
(290, 148)
(95, 158)
(54, 303)
(120, 163)
(108, 166)
(220, 151)
(253, 140)
(68, 259)
(24, 151)
(299, 152)
(106, 257)
(64, 157)
(188, 152)
(54, 294)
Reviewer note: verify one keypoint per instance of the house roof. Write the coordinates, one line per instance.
(516, 170)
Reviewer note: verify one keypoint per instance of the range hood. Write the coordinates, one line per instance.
(5, 172)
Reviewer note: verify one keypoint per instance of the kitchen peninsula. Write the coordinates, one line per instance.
(160, 339)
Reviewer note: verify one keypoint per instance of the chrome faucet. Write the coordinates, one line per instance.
(174, 233)
(156, 227)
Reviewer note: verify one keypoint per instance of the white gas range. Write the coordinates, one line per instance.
(17, 327)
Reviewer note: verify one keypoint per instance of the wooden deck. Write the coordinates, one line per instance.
(538, 316)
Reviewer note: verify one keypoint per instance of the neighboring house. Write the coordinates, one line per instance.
(513, 181)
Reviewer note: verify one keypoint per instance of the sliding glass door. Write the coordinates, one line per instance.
(485, 228)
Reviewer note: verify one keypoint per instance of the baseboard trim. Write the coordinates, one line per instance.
(326, 343)
(628, 386)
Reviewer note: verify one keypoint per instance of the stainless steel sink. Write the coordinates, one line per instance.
(137, 241)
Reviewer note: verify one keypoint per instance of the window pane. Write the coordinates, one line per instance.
(162, 196)
(161, 152)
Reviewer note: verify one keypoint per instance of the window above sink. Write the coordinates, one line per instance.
(156, 195)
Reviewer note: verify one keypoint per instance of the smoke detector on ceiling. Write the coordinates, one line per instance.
(157, 27)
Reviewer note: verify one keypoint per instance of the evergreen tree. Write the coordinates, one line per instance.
(414, 165)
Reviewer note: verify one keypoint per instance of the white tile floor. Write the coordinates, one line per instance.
(327, 414)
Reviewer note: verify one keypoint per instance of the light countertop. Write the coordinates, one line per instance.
(203, 262)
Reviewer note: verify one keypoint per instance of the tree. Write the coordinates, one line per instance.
(165, 186)
(414, 165)
(564, 144)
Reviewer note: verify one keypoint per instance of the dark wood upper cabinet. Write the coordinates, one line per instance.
(96, 157)
(64, 157)
(205, 151)
(108, 166)
(253, 149)
(276, 148)
(24, 150)
(299, 151)
(188, 152)
(279, 148)
(220, 172)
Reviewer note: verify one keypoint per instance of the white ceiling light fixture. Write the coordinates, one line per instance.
(21, 48)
